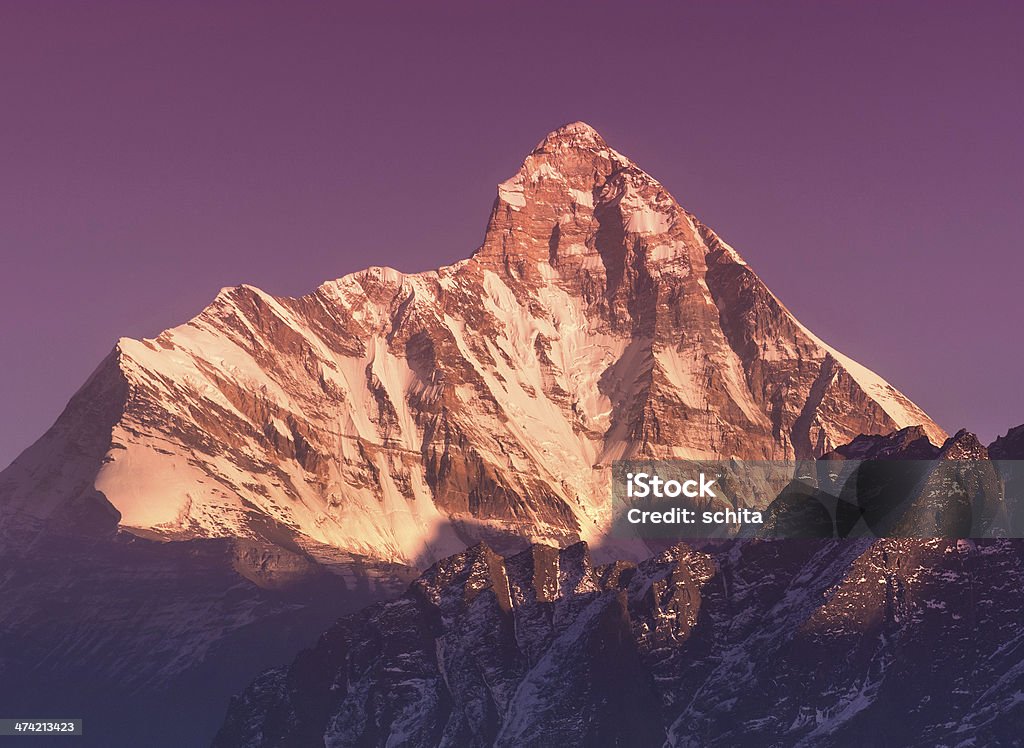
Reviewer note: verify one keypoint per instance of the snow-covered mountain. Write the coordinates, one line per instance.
(405, 416)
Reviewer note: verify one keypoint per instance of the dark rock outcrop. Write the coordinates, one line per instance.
(1008, 447)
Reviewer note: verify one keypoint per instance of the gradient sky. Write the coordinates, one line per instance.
(865, 158)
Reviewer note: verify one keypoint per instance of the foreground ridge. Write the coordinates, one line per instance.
(790, 643)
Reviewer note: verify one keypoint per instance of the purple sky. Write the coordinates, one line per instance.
(866, 158)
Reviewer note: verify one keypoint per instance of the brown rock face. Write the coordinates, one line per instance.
(401, 415)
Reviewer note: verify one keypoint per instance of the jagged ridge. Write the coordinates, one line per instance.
(755, 643)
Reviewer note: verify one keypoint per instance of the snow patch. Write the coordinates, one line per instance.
(646, 220)
(511, 192)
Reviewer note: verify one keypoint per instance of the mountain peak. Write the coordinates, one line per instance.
(384, 413)
(576, 134)
(568, 178)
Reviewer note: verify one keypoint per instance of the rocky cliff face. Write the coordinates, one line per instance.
(403, 416)
(815, 643)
